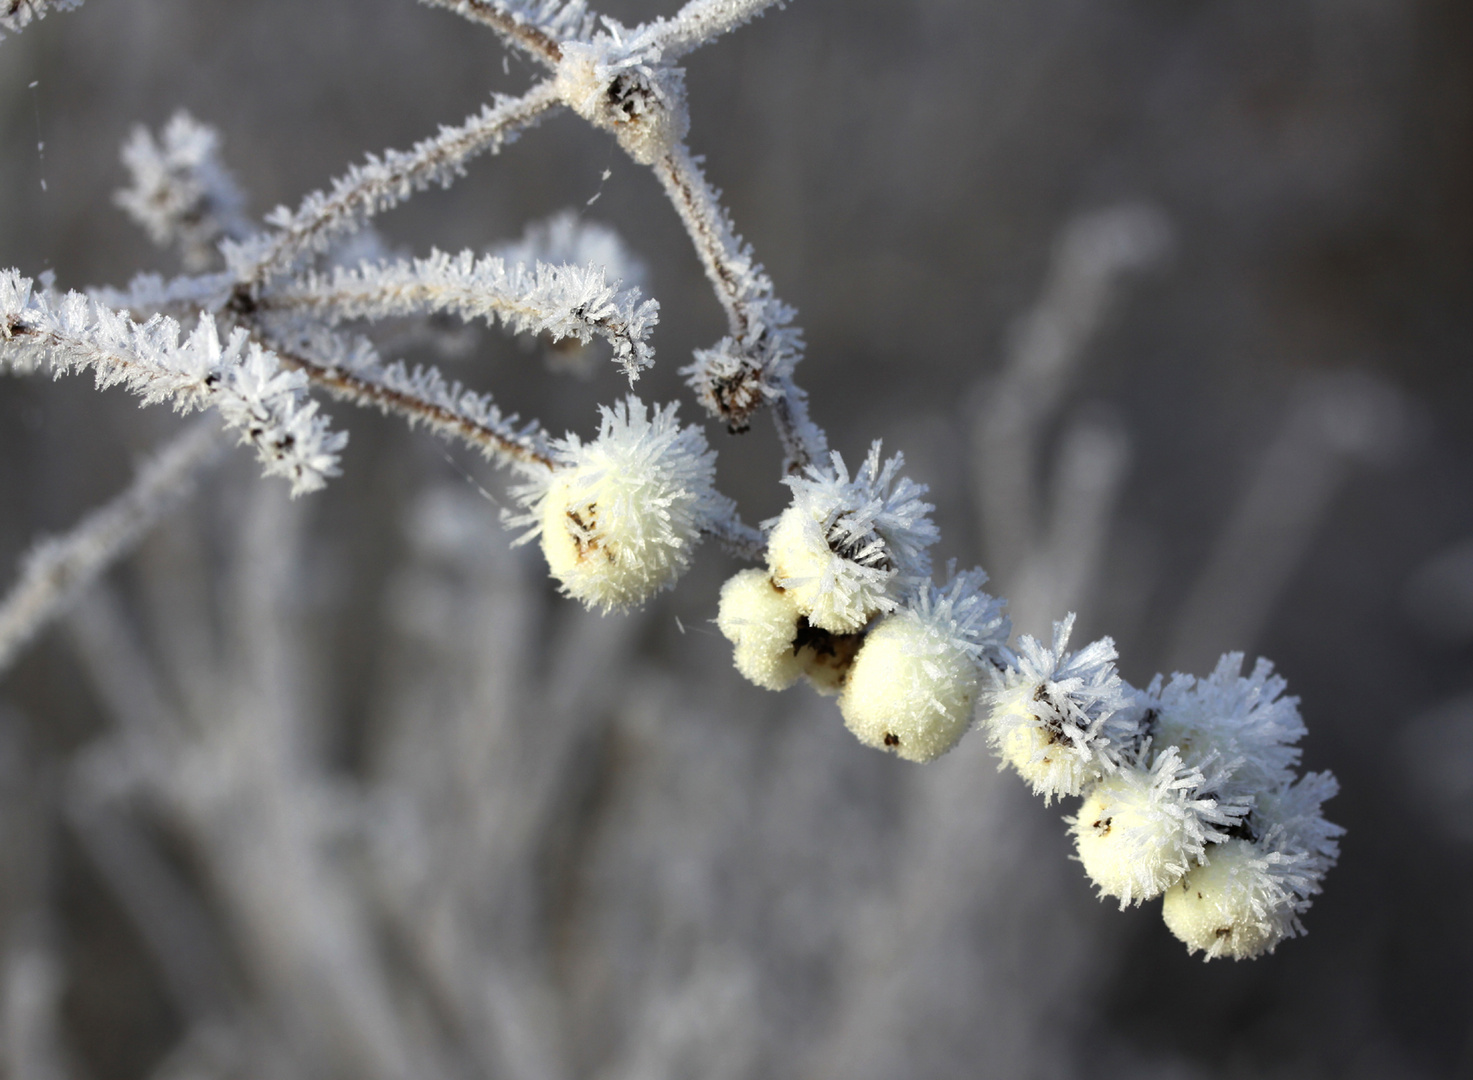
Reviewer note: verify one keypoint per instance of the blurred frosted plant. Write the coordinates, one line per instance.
(16, 15)
(181, 193)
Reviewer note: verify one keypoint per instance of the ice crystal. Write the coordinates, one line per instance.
(849, 549)
(1061, 719)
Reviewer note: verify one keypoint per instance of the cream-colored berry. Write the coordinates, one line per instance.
(761, 620)
(1229, 906)
(834, 595)
(911, 689)
(1131, 847)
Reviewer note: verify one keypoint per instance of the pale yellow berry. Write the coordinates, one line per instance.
(1129, 844)
(761, 620)
(1229, 905)
(911, 689)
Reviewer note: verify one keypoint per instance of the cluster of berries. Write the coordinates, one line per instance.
(1189, 786)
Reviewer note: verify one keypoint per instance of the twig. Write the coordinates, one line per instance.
(422, 396)
(379, 184)
(526, 35)
(57, 570)
(753, 366)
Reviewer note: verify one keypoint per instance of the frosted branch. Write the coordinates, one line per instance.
(753, 365)
(243, 381)
(57, 570)
(16, 15)
(380, 183)
(565, 301)
(534, 26)
(422, 396)
(699, 22)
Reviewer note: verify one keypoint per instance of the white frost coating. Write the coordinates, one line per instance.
(383, 182)
(153, 293)
(352, 370)
(625, 91)
(560, 301)
(1243, 719)
(850, 549)
(558, 20)
(1063, 721)
(699, 22)
(753, 365)
(16, 15)
(620, 516)
(915, 681)
(58, 569)
(761, 621)
(243, 381)
(181, 192)
(1139, 829)
(1240, 903)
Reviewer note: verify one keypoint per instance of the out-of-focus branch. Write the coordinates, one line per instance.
(1338, 421)
(382, 182)
(1093, 254)
(57, 570)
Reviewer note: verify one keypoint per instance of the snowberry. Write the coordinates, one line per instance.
(916, 679)
(761, 620)
(1139, 829)
(1232, 904)
(620, 516)
(849, 549)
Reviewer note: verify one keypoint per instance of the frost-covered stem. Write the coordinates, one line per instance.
(442, 413)
(701, 21)
(562, 301)
(531, 39)
(738, 537)
(57, 570)
(729, 269)
(381, 183)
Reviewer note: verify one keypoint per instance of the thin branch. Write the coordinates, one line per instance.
(379, 184)
(238, 378)
(422, 396)
(56, 571)
(700, 22)
(567, 301)
(754, 364)
(536, 33)
(739, 538)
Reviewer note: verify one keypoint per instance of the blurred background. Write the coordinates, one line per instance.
(1169, 302)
